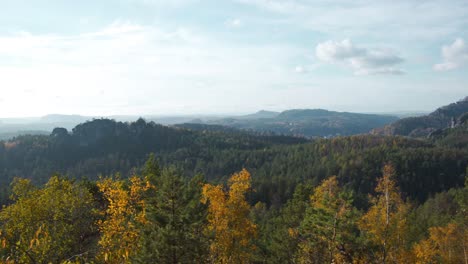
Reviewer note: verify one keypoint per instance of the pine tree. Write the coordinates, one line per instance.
(328, 230)
(176, 221)
(279, 238)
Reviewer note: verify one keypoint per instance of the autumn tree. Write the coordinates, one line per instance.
(445, 245)
(125, 211)
(228, 220)
(328, 230)
(384, 224)
(52, 224)
(449, 243)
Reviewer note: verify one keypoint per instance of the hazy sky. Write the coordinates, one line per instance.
(186, 56)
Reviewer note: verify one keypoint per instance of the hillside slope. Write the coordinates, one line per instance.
(444, 117)
(277, 163)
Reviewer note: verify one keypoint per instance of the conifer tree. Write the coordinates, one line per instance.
(328, 230)
(176, 220)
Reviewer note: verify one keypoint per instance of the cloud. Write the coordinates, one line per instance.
(300, 69)
(454, 56)
(393, 21)
(144, 69)
(363, 61)
(234, 23)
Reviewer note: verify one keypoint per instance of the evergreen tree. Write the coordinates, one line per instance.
(176, 221)
(279, 237)
(328, 231)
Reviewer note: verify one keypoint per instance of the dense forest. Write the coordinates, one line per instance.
(278, 163)
(211, 194)
(160, 216)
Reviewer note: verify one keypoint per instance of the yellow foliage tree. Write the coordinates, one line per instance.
(385, 224)
(46, 225)
(125, 211)
(228, 220)
(444, 245)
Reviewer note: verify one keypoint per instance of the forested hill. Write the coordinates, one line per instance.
(278, 163)
(444, 117)
(308, 122)
(104, 146)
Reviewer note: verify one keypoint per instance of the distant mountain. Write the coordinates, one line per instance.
(444, 117)
(10, 135)
(260, 114)
(56, 118)
(307, 122)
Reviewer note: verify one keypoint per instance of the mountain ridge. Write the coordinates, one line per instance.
(443, 117)
(309, 122)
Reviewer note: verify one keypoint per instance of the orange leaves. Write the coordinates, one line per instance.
(228, 219)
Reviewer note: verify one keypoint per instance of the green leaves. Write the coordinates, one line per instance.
(176, 220)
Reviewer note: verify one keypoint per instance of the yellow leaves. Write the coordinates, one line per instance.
(126, 209)
(228, 218)
(45, 224)
(293, 232)
(425, 252)
(446, 244)
(385, 222)
(327, 191)
(35, 242)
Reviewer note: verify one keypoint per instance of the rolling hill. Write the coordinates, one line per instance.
(422, 126)
(307, 122)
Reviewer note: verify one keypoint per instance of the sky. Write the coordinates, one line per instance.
(153, 57)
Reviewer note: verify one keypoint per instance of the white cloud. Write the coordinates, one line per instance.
(363, 61)
(300, 69)
(234, 23)
(141, 69)
(454, 56)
